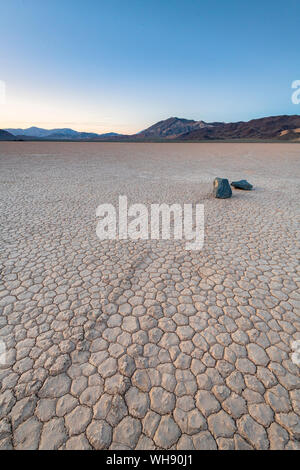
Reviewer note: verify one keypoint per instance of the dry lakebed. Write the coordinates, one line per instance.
(123, 344)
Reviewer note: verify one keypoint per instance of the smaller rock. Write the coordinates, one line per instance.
(242, 184)
(222, 189)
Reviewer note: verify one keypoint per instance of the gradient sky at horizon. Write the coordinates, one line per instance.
(123, 65)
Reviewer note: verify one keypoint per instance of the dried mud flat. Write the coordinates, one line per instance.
(144, 345)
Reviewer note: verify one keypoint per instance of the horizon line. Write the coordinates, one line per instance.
(162, 120)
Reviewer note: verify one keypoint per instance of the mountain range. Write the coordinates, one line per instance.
(282, 128)
(268, 128)
(275, 127)
(57, 134)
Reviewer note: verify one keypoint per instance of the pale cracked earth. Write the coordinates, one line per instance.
(123, 345)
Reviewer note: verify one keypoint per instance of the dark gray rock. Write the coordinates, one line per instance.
(242, 184)
(222, 189)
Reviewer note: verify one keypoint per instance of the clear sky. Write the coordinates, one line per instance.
(122, 65)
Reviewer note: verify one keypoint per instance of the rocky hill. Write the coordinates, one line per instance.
(171, 128)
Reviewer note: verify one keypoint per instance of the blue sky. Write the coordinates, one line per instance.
(120, 65)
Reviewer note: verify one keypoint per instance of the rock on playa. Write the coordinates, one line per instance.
(222, 189)
(242, 184)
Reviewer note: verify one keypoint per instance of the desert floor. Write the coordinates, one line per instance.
(145, 345)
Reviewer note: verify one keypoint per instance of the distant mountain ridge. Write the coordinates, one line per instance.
(281, 128)
(268, 128)
(273, 127)
(57, 134)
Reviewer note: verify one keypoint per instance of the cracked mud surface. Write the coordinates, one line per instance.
(144, 345)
